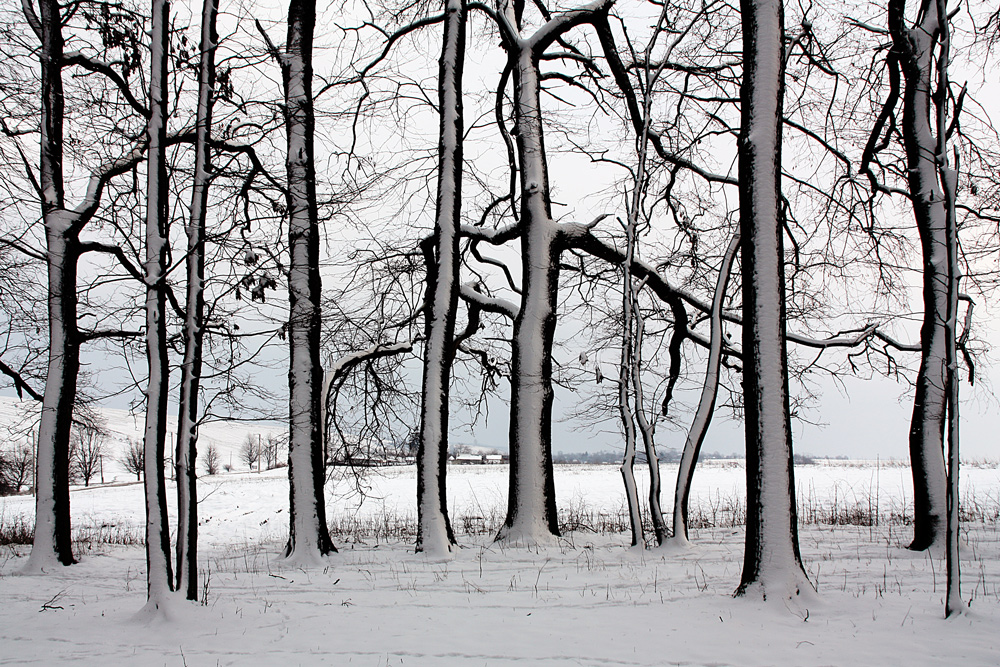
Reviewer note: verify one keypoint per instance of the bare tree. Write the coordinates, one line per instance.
(706, 403)
(17, 465)
(772, 566)
(194, 325)
(212, 460)
(133, 459)
(434, 532)
(87, 452)
(309, 537)
(531, 509)
(250, 451)
(159, 571)
(63, 225)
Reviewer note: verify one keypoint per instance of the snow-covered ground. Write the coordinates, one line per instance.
(588, 601)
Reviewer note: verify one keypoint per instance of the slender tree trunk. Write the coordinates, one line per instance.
(629, 404)
(434, 531)
(186, 456)
(158, 575)
(948, 175)
(772, 567)
(52, 541)
(309, 537)
(531, 510)
(706, 404)
(627, 467)
(915, 48)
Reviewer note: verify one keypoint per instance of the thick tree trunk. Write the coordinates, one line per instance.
(915, 49)
(159, 577)
(531, 503)
(309, 537)
(772, 567)
(186, 457)
(52, 541)
(531, 509)
(706, 404)
(434, 532)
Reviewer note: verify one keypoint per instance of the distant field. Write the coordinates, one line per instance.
(253, 506)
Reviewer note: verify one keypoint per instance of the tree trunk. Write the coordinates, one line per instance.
(772, 567)
(531, 509)
(159, 577)
(52, 541)
(915, 49)
(434, 531)
(629, 401)
(706, 404)
(186, 456)
(627, 467)
(309, 537)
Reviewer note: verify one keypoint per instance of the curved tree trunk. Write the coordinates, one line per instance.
(915, 48)
(309, 537)
(706, 404)
(772, 567)
(434, 532)
(186, 457)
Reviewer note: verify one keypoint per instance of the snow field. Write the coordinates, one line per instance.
(588, 601)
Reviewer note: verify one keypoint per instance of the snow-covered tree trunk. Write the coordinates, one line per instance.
(948, 175)
(629, 400)
(706, 403)
(309, 537)
(625, 408)
(185, 459)
(531, 510)
(954, 605)
(531, 504)
(772, 567)
(915, 49)
(434, 532)
(159, 576)
(52, 542)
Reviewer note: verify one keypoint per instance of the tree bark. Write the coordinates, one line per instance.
(772, 567)
(434, 531)
(531, 505)
(186, 456)
(159, 576)
(309, 537)
(531, 509)
(52, 541)
(915, 49)
(706, 404)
